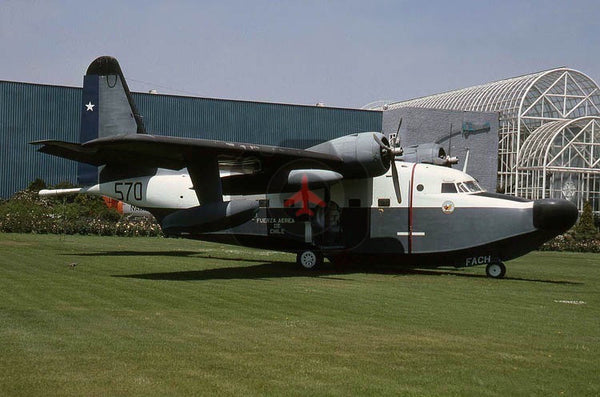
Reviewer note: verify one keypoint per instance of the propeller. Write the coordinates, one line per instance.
(391, 151)
(396, 141)
(466, 162)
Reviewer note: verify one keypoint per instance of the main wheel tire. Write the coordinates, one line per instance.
(495, 270)
(309, 259)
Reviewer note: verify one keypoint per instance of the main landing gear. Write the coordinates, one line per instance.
(495, 270)
(309, 259)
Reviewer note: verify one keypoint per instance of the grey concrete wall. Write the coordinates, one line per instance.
(446, 128)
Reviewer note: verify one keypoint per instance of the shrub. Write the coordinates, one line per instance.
(27, 212)
(566, 242)
(583, 237)
(36, 185)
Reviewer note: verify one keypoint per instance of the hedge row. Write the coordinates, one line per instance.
(45, 224)
(566, 242)
(26, 212)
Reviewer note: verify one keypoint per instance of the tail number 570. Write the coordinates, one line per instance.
(125, 191)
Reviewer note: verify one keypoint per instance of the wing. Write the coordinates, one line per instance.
(177, 153)
(257, 162)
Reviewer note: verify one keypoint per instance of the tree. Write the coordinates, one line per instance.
(585, 228)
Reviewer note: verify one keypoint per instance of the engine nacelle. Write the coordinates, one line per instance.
(430, 153)
(362, 155)
(210, 217)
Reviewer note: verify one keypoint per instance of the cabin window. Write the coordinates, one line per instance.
(383, 202)
(449, 188)
(420, 187)
(263, 203)
(354, 202)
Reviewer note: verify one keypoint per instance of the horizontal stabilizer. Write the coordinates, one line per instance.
(68, 150)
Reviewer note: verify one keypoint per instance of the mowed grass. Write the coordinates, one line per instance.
(151, 316)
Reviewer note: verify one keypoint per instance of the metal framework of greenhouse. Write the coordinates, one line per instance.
(549, 134)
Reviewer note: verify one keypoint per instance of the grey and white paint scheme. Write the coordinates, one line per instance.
(350, 199)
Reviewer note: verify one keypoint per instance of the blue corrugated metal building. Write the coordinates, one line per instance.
(30, 112)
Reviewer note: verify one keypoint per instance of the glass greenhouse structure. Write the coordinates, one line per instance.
(549, 135)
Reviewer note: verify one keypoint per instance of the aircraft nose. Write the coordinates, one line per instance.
(554, 214)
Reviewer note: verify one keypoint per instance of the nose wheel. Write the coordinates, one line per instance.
(495, 270)
(309, 259)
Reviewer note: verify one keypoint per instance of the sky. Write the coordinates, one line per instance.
(341, 53)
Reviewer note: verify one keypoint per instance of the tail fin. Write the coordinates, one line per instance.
(107, 109)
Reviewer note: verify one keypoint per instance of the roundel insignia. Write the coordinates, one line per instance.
(448, 207)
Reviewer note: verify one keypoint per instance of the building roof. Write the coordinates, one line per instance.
(512, 96)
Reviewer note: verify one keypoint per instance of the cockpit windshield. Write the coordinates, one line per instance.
(469, 187)
(462, 187)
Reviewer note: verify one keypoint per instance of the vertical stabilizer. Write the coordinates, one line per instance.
(107, 109)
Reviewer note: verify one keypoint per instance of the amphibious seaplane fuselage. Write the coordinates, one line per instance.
(443, 217)
(353, 197)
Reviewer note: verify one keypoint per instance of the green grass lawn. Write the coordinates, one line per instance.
(152, 316)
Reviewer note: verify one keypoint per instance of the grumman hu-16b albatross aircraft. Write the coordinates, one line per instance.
(353, 198)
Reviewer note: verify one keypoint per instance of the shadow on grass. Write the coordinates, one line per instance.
(183, 254)
(278, 269)
(459, 274)
(260, 271)
(143, 253)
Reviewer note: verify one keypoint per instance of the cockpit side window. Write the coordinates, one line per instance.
(449, 188)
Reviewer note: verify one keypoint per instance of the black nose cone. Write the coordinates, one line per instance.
(554, 214)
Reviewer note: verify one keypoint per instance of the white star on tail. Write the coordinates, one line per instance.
(89, 107)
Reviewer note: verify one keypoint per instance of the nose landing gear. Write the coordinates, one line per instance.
(495, 270)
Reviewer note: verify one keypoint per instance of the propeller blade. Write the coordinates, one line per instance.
(399, 125)
(466, 162)
(396, 142)
(396, 182)
(380, 143)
